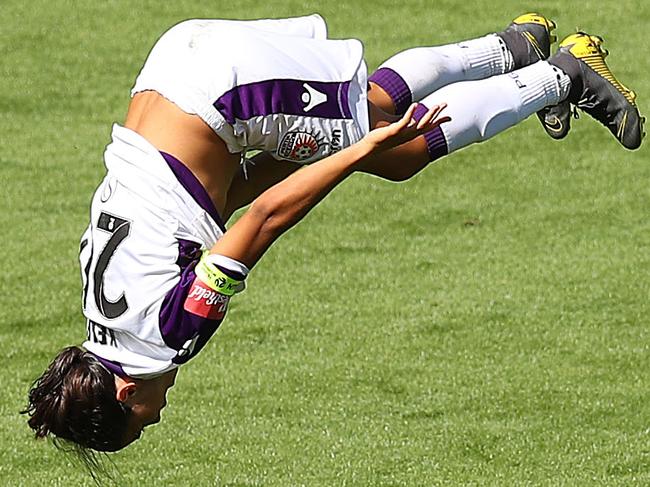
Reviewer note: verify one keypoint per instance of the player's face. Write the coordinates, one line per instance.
(146, 403)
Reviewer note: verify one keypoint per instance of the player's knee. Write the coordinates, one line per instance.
(395, 173)
(401, 176)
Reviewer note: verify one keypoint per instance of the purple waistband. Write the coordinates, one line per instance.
(193, 186)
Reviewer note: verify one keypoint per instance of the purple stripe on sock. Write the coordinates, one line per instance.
(193, 187)
(420, 111)
(287, 96)
(393, 84)
(436, 142)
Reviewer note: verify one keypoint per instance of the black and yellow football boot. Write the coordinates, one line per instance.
(529, 38)
(595, 90)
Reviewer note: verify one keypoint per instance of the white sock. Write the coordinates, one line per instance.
(481, 109)
(424, 70)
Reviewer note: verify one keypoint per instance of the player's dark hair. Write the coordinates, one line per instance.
(74, 401)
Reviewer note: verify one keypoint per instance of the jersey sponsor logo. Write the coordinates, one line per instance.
(205, 302)
(312, 97)
(298, 146)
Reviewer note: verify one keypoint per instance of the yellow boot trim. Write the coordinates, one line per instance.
(534, 18)
(588, 49)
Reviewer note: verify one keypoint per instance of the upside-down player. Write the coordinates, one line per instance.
(157, 263)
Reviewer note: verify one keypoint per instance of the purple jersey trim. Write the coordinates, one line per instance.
(110, 365)
(193, 186)
(174, 328)
(285, 96)
(395, 86)
(178, 326)
(436, 142)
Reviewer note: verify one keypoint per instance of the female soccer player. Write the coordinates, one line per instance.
(158, 267)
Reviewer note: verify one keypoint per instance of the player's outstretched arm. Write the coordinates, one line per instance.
(285, 204)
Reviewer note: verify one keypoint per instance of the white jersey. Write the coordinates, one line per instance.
(150, 219)
(273, 85)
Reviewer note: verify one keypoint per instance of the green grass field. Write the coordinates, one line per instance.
(485, 323)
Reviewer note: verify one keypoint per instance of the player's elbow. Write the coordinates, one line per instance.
(270, 215)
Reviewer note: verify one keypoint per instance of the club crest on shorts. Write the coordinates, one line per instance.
(298, 146)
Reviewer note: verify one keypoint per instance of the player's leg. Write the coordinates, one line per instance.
(481, 109)
(415, 73)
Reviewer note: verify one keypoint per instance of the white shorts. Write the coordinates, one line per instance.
(273, 85)
(149, 220)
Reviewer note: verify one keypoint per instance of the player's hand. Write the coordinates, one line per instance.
(405, 129)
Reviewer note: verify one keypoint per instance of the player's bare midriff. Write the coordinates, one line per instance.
(186, 137)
